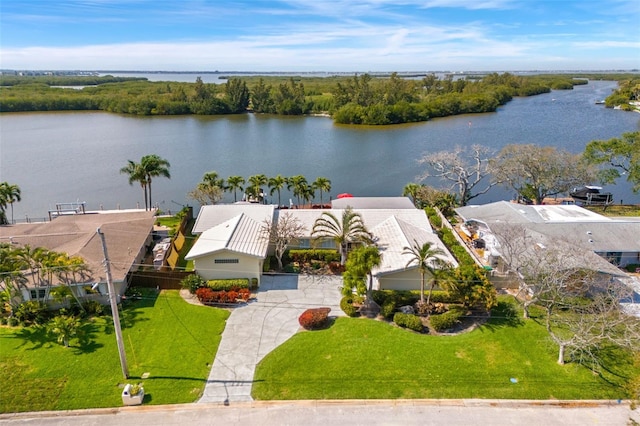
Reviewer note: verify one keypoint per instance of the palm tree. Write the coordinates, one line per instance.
(426, 257)
(411, 190)
(154, 166)
(349, 229)
(9, 194)
(361, 262)
(276, 184)
(321, 184)
(298, 185)
(256, 181)
(213, 179)
(136, 174)
(235, 183)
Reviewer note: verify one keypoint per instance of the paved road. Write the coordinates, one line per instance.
(352, 413)
(254, 330)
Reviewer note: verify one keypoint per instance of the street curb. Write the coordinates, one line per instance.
(498, 403)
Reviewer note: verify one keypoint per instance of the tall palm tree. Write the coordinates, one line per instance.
(256, 182)
(321, 184)
(9, 194)
(298, 185)
(426, 257)
(235, 183)
(349, 229)
(136, 174)
(154, 166)
(276, 184)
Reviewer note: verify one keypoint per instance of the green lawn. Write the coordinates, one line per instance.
(363, 359)
(173, 341)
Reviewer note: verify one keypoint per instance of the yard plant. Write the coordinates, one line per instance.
(173, 341)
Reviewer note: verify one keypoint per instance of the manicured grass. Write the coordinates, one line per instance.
(172, 222)
(173, 341)
(615, 210)
(360, 358)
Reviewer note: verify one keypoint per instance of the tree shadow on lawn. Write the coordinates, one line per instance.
(131, 310)
(37, 335)
(503, 315)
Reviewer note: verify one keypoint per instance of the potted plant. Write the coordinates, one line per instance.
(132, 394)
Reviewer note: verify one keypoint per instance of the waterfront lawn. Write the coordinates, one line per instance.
(364, 359)
(173, 341)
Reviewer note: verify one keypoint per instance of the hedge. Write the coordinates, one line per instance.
(346, 304)
(409, 321)
(313, 319)
(228, 284)
(207, 295)
(303, 256)
(447, 320)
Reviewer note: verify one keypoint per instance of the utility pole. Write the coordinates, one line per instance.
(114, 308)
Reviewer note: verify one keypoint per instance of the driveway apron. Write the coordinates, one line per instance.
(254, 330)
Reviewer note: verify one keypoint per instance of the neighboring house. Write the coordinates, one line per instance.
(604, 244)
(616, 240)
(232, 243)
(128, 235)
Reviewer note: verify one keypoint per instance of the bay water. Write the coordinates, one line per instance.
(57, 157)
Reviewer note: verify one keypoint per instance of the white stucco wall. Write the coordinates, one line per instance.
(247, 266)
(403, 280)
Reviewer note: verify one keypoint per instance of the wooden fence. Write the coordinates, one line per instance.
(163, 280)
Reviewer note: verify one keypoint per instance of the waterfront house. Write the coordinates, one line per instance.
(232, 243)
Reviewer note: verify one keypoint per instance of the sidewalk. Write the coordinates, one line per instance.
(254, 330)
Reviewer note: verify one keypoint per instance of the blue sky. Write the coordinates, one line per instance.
(333, 35)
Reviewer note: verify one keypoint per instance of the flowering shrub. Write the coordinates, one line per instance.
(313, 319)
(207, 295)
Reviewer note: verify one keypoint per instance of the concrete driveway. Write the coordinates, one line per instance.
(254, 330)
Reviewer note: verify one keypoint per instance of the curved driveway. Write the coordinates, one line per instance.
(254, 330)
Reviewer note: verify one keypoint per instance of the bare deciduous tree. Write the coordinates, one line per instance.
(282, 232)
(582, 307)
(466, 169)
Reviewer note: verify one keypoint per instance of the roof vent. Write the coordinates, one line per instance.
(589, 232)
(590, 240)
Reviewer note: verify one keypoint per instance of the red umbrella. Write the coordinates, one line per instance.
(345, 195)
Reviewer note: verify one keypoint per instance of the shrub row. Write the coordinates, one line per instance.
(409, 321)
(447, 320)
(452, 244)
(346, 304)
(307, 255)
(228, 284)
(207, 295)
(313, 319)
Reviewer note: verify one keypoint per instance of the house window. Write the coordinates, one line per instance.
(38, 293)
(304, 243)
(227, 261)
(614, 257)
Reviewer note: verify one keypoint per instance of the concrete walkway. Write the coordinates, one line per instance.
(254, 330)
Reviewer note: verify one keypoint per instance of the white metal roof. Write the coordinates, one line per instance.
(214, 215)
(240, 234)
(358, 203)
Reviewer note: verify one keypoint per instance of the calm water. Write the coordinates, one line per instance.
(64, 157)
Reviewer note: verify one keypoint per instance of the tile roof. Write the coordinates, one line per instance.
(393, 235)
